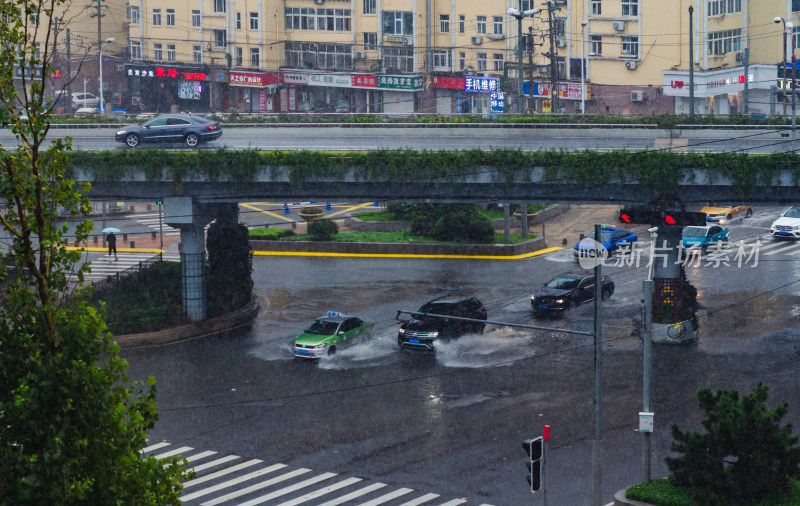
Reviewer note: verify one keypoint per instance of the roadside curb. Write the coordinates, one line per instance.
(621, 500)
(215, 325)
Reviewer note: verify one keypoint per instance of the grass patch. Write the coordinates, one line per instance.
(492, 213)
(269, 233)
(661, 492)
(400, 236)
(377, 216)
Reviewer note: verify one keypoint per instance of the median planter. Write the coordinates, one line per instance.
(310, 213)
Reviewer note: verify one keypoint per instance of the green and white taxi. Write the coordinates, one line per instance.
(330, 332)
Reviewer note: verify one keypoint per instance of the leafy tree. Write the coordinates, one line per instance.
(71, 422)
(322, 229)
(745, 455)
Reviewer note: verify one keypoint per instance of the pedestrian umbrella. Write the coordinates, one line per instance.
(111, 230)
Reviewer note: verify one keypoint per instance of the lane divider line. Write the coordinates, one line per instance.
(407, 255)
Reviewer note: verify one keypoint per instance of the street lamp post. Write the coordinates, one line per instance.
(519, 14)
(583, 66)
(102, 105)
(788, 31)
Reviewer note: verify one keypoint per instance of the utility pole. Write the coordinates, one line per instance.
(746, 97)
(99, 15)
(597, 439)
(647, 370)
(530, 68)
(69, 70)
(551, 7)
(691, 63)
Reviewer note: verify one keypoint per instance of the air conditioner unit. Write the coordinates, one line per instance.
(739, 56)
(477, 39)
(630, 65)
(619, 26)
(271, 89)
(408, 40)
(318, 2)
(360, 55)
(578, 106)
(126, 25)
(637, 96)
(120, 68)
(561, 43)
(543, 69)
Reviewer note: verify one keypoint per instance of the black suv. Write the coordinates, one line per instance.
(421, 332)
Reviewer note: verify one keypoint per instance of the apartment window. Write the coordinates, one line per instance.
(442, 60)
(369, 6)
(255, 57)
(398, 22)
(156, 17)
(158, 53)
(560, 27)
(195, 18)
(219, 5)
(596, 45)
(239, 61)
(462, 61)
(37, 51)
(722, 7)
(399, 58)
(726, 41)
(370, 40)
(220, 38)
(526, 5)
(133, 14)
(171, 56)
(238, 20)
(796, 35)
(300, 18)
(497, 62)
(333, 20)
(597, 7)
(481, 24)
(197, 53)
(444, 23)
(254, 21)
(630, 7)
(481, 61)
(136, 50)
(630, 46)
(795, 5)
(461, 23)
(497, 25)
(319, 55)
(170, 17)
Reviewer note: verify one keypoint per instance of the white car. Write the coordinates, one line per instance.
(788, 225)
(83, 100)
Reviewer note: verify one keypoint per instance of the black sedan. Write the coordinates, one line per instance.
(566, 291)
(185, 128)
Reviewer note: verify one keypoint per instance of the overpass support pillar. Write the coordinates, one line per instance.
(191, 219)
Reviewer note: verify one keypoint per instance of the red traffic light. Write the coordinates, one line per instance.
(624, 218)
(669, 220)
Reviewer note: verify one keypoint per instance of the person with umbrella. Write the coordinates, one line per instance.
(112, 241)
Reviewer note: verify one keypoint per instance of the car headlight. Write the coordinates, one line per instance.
(434, 334)
(533, 297)
(797, 227)
(320, 346)
(120, 132)
(559, 301)
(401, 331)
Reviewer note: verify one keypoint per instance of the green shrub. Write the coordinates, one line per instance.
(322, 229)
(311, 210)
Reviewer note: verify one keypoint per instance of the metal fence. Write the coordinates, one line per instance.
(110, 280)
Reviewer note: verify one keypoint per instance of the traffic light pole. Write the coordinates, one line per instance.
(647, 370)
(597, 440)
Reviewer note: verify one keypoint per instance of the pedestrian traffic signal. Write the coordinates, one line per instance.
(158, 202)
(650, 217)
(533, 447)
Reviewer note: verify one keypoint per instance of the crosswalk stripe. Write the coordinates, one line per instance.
(454, 502)
(781, 250)
(283, 491)
(420, 500)
(388, 497)
(230, 483)
(170, 453)
(763, 247)
(222, 472)
(154, 447)
(320, 492)
(199, 456)
(353, 495)
(257, 486)
(214, 463)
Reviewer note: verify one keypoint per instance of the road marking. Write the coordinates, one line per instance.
(173, 452)
(119, 250)
(268, 213)
(425, 498)
(213, 463)
(223, 472)
(199, 456)
(320, 492)
(257, 486)
(283, 491)
(781, 250)
(407, 255)
(388, 497)
(353, 495)
(230, 483)
(454, 502)
(154, 447)
(353, 208)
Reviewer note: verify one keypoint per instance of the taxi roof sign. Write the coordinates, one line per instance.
(334, 313)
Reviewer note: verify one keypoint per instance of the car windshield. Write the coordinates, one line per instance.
(793, 213)
(604, 234)
(434, 308)
(564, 283)
(323, 328)
(694, 232)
